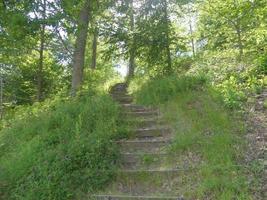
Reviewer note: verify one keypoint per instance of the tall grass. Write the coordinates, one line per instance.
(162, 89)
(61, 153)
(202, 125)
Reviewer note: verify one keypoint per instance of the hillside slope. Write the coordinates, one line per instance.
(59, 151)
(199, 156)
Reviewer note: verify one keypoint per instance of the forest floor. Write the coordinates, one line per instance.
(257, 137)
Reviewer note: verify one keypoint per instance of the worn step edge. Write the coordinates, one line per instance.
(121, 97)
(136, 106)
(156, 119)
(146, 122)
(142, 113)
(152, 128)
(133, 158)
(151, 132)
(141, 154)
(144, 145)
(122, 100)
(168, 141)
(162, 171)
(130, 108)
(134, 197)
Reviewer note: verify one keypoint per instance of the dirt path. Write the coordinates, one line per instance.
(257, 137)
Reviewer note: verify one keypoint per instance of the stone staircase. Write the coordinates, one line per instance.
(146, 167)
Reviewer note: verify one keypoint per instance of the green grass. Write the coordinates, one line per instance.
(62, 152)
(203, 126)
(162, 89)
(265, 104)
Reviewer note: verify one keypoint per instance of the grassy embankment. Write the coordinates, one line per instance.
(205, 128)
(60, 149)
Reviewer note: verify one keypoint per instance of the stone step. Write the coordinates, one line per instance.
(159, 160)
(151, 132)
(120, 95)
(119, 91)
(142, 160)
(128, 197)
(145, 122)
(143, 114)
(119, 87)
(144, 145)
(123, 99)
(136, 108)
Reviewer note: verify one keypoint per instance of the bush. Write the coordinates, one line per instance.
(233, 79)
(61, 152)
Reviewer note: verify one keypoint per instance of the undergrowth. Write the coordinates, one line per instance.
(204, 126)
(60, 152)
(235, 81)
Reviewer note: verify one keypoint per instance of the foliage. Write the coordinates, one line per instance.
(60, 152)
(234, 80)
(232, 24)
(203, 127)
(231, 38)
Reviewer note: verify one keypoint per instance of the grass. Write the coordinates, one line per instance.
(265, 104)
(63, 152)
(202, 125)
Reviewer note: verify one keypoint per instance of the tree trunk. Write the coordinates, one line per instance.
(192, 38)
(133, 46)
(94, 48)
(1, 96)
(41, 57)
(240, 44)
(168, 69)
(79, 52)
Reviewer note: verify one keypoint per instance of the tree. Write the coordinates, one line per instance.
(132, 42)
(41, 52)
(156, 33)
(228, 23)
(80, 44)
(94, 47)
(120, 32)
(28, 54)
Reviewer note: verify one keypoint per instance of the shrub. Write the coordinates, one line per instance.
(234, 80)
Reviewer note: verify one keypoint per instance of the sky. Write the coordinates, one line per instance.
(122, 68)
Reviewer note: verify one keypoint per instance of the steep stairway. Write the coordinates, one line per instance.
(147, 169)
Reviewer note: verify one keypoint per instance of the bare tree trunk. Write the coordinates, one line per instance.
(80, 44)
(94, 48)
(192, 38)
(168, 70)
(41, 57)
(131, 64)
(237, 26)
(240, 43)
(133, 46)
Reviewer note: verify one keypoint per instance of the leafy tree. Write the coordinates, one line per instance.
(229, 23)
